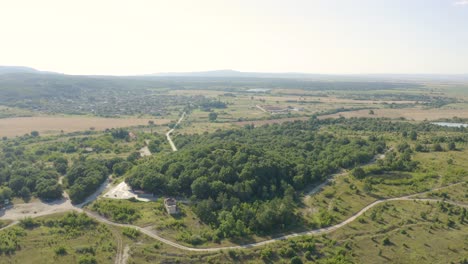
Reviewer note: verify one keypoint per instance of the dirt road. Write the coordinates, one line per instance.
(153, 234)
(168, 134)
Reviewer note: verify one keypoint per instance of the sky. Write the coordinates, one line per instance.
(116, 37)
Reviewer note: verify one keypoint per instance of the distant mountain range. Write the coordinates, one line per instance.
(289, 75)
(297, 75)
(17, 69)
(21, 69)
(238, 74)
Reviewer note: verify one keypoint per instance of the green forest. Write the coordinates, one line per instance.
(246, 181)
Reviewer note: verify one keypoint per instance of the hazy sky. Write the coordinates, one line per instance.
(315, 36)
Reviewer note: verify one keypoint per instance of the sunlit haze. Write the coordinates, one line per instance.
(329, 36)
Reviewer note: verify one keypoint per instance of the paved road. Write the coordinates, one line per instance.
(168, 134)
(319, 231)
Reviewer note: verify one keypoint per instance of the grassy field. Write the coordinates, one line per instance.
(394, 232)
(346, 195)
(456, 193)
(185, 228)
(41, 244)
(406, 232)
(417, 114)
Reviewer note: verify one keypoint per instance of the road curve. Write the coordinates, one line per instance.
(319, 231)
(168, 134)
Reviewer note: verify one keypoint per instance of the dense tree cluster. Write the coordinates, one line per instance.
(407, 129)
(32, 166)
(119, 133)
(207, 105)
(24, 180)
(84, 177)
(246, 180)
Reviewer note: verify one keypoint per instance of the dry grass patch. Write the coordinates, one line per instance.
(50, 125)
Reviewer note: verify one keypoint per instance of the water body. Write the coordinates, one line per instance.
(446, 124)
(258, 90)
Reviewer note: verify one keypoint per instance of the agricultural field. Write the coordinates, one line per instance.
(53, 125)
(415, 114)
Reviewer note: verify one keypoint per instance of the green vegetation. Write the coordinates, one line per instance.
(59, 238)
(101, 96)
(119, 211)
(131, 232)
(9, 240)
(84, 177)
(32, 166)
(245, 181)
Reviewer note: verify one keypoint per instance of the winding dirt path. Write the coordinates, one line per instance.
(153, 234)
(168, 134)
(343, 172)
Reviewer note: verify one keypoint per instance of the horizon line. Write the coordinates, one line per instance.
(163, 73)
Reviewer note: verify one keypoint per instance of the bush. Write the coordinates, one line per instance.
(296, 260)
(60, 251)
(266, 253)
(87, 259)
(233, 254)
(131, 232)
(118, 211)
(9, 240)
(386, 241)
(437, 147)
(287, 252)
(85, 250)
(358, 173)
(29, 223)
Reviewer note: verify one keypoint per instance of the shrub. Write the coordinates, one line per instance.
(29, 223)
(60, 251)
(85, 250)
(296, 260)
(87, 259)
(386, 241)
(233, 254)
(131, 232)
(266, 253)
(118, 211)
(358, 173)
(9, 240)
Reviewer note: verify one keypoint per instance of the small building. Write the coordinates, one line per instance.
(171, 205)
